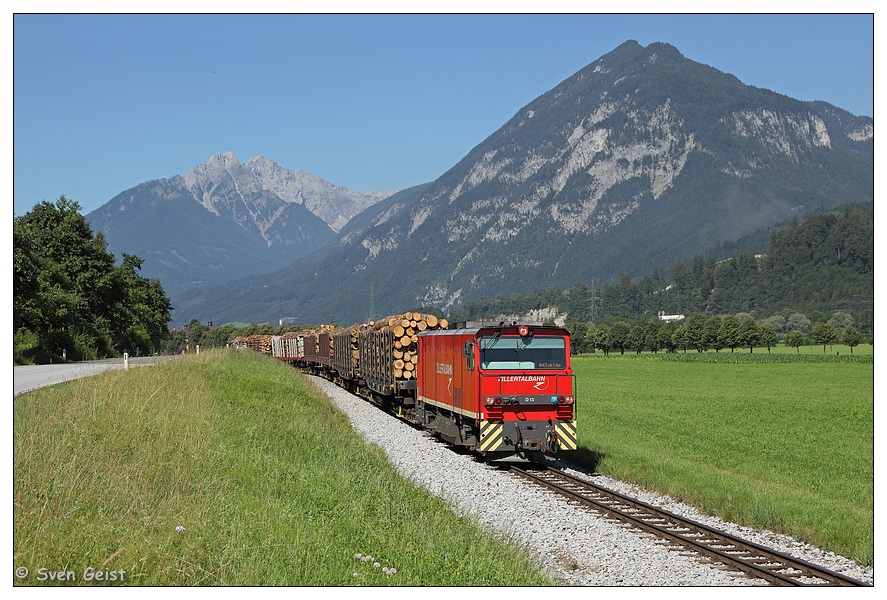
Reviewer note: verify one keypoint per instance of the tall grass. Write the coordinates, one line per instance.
(228, 468)
(785, 443)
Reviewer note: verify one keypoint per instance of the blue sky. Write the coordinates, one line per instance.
(102, 103)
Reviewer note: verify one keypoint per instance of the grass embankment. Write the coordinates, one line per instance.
(270, 483)
(781, 442)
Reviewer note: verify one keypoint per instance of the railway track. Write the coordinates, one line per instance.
(717, 546)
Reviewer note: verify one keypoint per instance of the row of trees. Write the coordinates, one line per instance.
(701, 333)
(70, 300)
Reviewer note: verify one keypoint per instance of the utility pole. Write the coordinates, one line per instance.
(594, 303)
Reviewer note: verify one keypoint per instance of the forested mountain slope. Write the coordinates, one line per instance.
(816, 266)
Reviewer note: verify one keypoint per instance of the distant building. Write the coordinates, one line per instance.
(665, 317)
(538, 315)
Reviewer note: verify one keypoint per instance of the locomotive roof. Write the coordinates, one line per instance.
(492, 329)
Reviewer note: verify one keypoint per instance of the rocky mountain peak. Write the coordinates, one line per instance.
(224, 181)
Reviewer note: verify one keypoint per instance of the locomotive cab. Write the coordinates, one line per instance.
(501, 390)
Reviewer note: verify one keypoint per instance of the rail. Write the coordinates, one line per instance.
(752, 559)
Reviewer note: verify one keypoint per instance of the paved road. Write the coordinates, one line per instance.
(31, 377)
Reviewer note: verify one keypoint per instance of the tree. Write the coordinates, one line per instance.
(651, 337)
(823, 333)
(798, 321)
(578, 333)
(623, 299)
(728, 333)
(748, 335)
(711, 334)
(666, 336)
(776, 322)
(65, 293)
(767, 337)
(851, 338)
(69, 296)
(795, 339)
(619, 336)
(694, 330)
(604, 339)
(679, 337)
(840, 321)
(636, 338)
(591, 338)
(144, 313)
(26, 268)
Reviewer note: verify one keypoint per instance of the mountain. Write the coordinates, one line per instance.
(225, 220)
(641, 159)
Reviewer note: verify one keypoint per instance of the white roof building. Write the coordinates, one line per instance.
(665, 317)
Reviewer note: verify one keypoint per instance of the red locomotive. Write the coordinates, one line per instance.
(499, 390)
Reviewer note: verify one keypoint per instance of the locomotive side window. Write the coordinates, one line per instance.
(468, 353)
(522, 353)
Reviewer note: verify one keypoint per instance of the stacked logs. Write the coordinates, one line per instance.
(259, 343)
(346, 350)
(405, 329)
(382, 352)
(389, 345)
(264, 342)
(389, 349)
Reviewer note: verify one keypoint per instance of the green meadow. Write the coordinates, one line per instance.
(229, 469)
(780, 441)
(226, 469)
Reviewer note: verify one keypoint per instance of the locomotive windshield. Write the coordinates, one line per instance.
(522, 353)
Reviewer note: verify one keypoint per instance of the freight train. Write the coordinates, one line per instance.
(498, 390)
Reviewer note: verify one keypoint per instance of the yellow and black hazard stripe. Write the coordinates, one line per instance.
(490, 435)
(566, 434)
